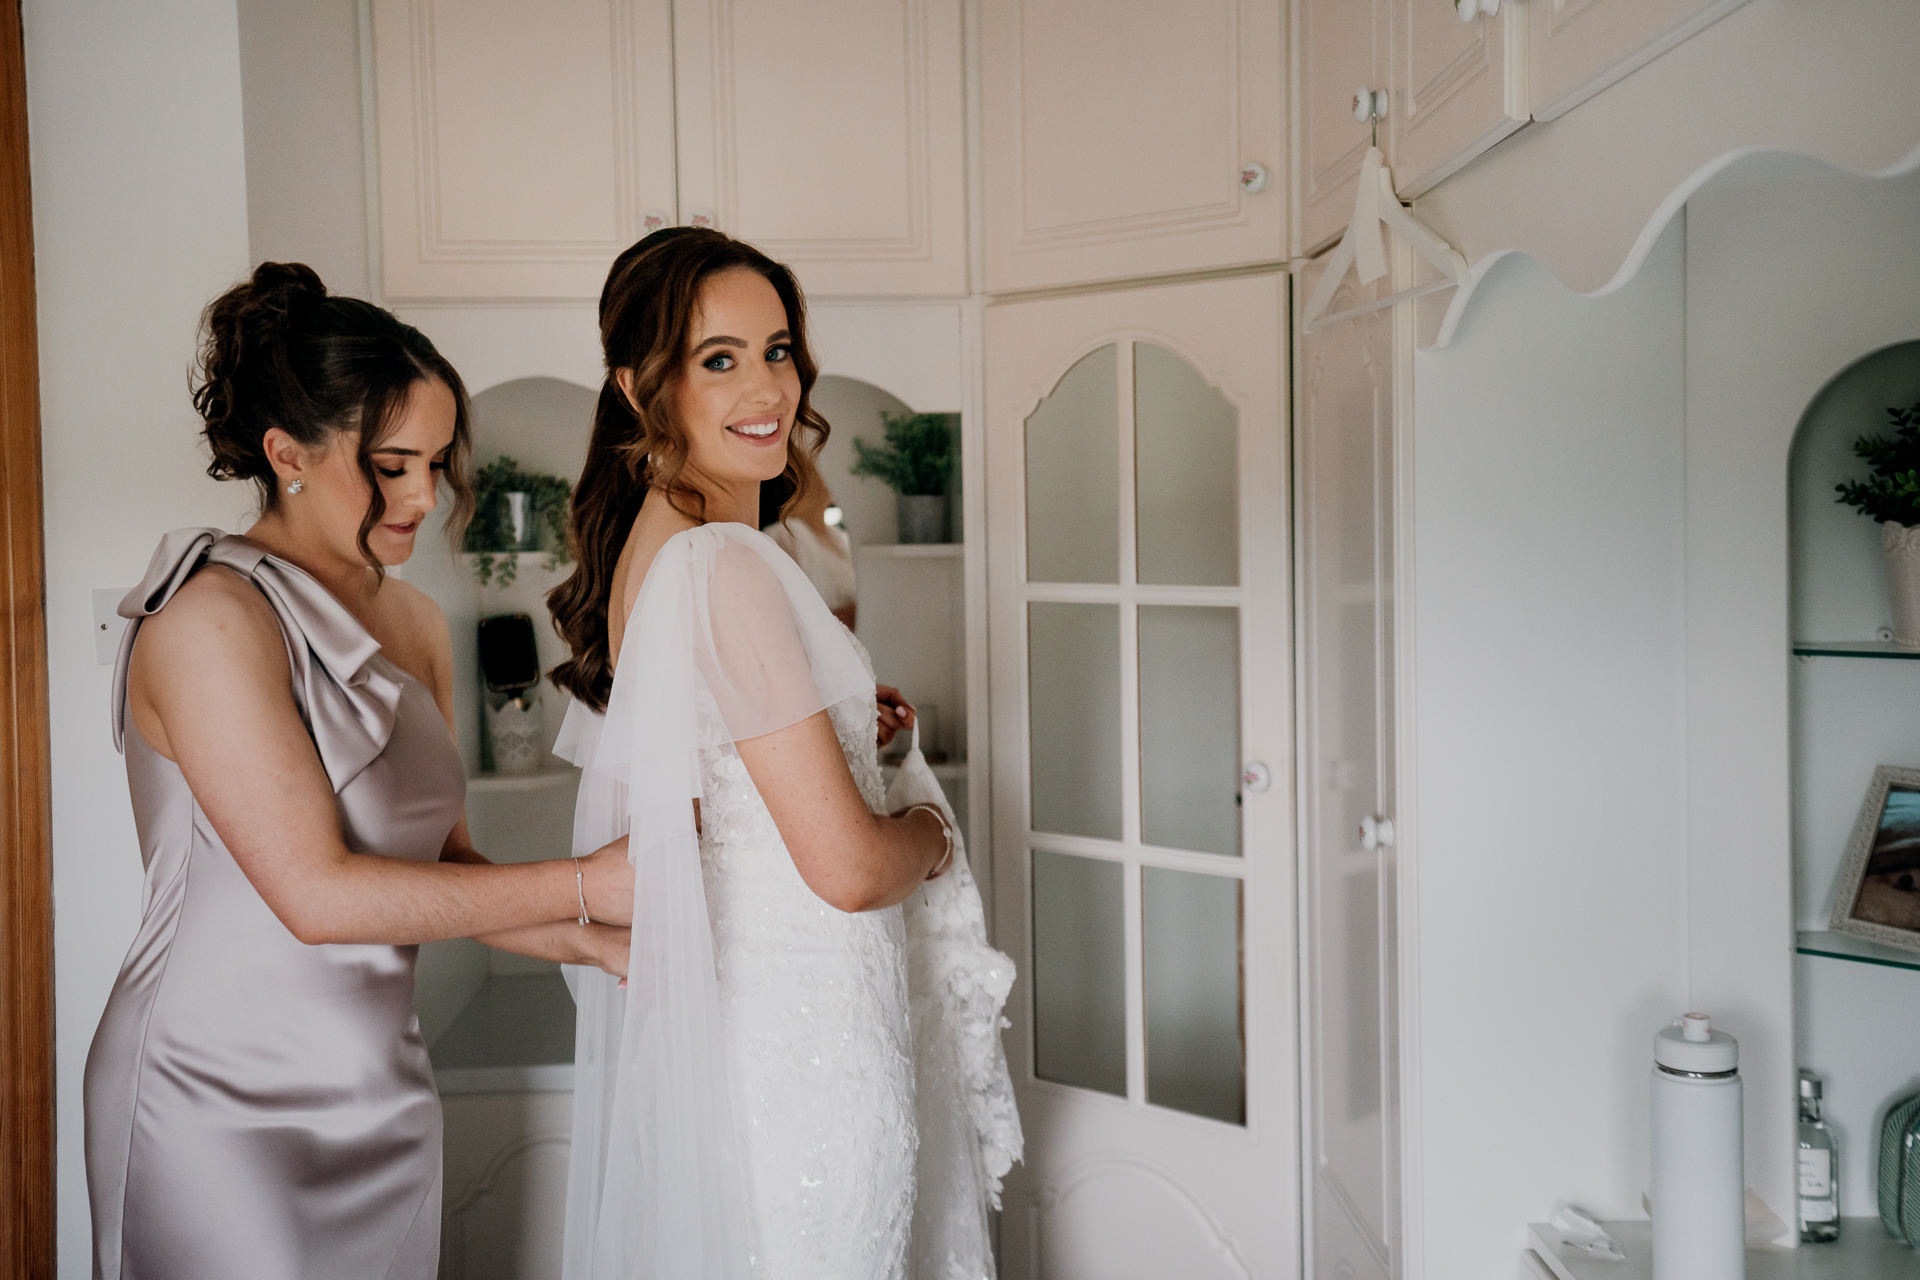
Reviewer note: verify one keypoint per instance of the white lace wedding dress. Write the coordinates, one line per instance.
(866, 1115)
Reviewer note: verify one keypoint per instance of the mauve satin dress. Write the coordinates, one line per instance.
(257, 1108)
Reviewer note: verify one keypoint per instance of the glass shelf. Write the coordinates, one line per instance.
(912, 550)
(1840, 946)
(1853, 649)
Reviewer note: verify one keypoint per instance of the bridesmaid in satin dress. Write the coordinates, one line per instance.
(259, 1104)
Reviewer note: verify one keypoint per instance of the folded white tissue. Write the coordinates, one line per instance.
(1578, 1230)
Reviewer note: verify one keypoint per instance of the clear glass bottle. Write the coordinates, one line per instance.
(1819, 1169)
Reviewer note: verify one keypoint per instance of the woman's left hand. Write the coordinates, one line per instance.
(896, 713)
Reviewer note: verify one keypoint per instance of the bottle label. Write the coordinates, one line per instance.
(1816, 1185)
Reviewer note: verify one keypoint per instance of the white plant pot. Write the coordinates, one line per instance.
(514, 734)
(1901, 545)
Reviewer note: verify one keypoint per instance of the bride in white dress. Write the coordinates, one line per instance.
(804, 1079)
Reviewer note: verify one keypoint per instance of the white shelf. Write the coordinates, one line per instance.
(564, 775)
(912, 550)
(1864, 1251)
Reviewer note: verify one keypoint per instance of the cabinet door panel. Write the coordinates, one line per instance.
(1344, 485)
(1115, 132)
(832, 136)
(1339, 47)
(521, 147)
(1579, 47)
(1454, 89)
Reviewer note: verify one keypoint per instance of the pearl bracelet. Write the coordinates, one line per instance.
(946, 829)
(580, 887)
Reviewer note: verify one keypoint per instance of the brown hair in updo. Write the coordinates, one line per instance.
(646, 324)
(280, 351)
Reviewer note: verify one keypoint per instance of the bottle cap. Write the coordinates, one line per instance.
(1691, 1044)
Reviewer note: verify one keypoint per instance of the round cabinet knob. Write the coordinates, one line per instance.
(1376, 833)
(1471, 9)
(1256, 777)
(701, 218)
(1253, 178)
(1369, 104)
(652, 220)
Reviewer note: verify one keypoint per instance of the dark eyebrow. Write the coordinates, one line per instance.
(405, 453)
(721, 340)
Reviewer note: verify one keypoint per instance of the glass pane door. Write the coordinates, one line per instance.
(1134, 619)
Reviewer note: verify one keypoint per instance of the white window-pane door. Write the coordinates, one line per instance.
(1138, 580)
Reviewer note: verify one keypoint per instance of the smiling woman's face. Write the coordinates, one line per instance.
(334, 495)
(737, 394)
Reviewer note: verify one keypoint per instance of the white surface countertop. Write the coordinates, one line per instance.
(1864, 1251)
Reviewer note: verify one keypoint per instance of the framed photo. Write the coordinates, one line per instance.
(1878, 896)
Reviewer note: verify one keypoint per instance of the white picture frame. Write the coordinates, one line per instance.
(1877, 896)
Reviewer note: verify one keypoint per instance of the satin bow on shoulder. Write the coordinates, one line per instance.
(347, 700)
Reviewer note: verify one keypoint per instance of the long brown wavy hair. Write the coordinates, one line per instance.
(647, 311)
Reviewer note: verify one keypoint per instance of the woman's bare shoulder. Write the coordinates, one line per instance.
(216, 616)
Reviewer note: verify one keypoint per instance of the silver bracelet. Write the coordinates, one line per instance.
(580, 887)
(946, 830)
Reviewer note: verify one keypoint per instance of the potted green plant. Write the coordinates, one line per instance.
(515, 511)
(1891, 495)
(915, 460)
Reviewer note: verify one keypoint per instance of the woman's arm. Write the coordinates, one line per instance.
(852, 859)
(210, 689)
(604, 946)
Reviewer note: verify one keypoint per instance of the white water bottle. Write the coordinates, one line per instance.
(1699, 1182)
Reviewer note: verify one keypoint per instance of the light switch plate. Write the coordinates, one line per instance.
(108, 625)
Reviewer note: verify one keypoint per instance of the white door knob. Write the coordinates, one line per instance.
(1376, 833)
(1369, 104)
(1253, 178)
(1256, 777)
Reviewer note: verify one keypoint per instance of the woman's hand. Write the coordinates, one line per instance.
(609, 948)
(896, 713)
(607, 882)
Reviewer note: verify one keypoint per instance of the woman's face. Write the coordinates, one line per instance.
(334, 496)
(738, 391)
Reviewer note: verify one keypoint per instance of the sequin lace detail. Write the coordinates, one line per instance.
(815, 1014)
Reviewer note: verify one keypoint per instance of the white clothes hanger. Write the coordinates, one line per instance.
(1363, 249)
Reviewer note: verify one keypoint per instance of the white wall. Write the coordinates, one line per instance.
(1792, 275)
(140, 218)
(1548, 537)
(306, 170)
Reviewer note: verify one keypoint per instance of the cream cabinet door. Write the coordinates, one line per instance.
(832, 136)
(1579, 47)
(522, 146)
(1344, 473)
(1340, 47)
(1142, 817)
(1130, 138)
(1458, 88)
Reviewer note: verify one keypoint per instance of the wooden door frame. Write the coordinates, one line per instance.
(26, 886)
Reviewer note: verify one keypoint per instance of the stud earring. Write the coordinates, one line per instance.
(295, 486)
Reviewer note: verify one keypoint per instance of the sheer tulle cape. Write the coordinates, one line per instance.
(727, 641)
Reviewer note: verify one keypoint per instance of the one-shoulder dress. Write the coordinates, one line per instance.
(258, 1108)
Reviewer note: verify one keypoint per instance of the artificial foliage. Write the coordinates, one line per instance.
(1891, 491)
(916, 457)
(490, 534)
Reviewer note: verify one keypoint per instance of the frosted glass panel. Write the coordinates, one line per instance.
(1073, 476)
(1079, 972)
(1185, 473)
(1190, 728)
(1196, 1061)
(1073, 682)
